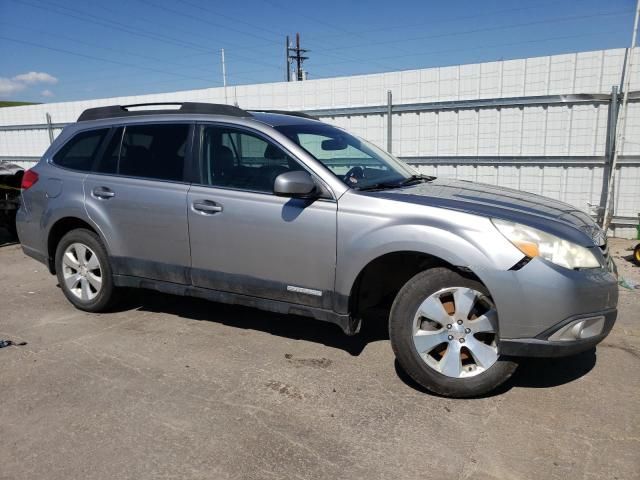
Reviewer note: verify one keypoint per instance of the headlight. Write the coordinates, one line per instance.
(536, 243)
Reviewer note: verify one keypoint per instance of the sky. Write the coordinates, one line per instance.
(59, 50)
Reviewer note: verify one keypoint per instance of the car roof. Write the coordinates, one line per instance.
(278, 119)
(188, 111)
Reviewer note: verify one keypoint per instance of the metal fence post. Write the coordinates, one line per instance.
(612, 123)
(49, 127)
(389, 121)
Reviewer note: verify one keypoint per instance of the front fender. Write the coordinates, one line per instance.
(458, 238)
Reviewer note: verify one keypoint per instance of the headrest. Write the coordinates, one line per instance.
(223, 154)
(273, 153)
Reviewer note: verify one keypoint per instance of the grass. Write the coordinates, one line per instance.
(4, 103)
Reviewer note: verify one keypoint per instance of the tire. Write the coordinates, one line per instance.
(458, 352)
(636, 255)
(79, 280)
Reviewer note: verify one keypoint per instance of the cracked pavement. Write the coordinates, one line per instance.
(170, 387)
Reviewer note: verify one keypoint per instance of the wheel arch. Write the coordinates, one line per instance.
(59, 229)
(380, 280)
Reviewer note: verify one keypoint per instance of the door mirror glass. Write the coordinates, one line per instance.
(297, 184)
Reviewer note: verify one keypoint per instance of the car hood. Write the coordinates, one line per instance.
(540, 212)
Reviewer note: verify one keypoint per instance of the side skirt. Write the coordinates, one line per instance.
(349, 325)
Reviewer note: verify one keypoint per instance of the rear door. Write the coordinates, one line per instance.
(137, 196)
(245, 239)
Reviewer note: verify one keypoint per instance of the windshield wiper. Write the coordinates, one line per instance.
(379, 186)
(416, 178)
(402, 183)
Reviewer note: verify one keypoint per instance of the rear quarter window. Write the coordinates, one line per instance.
(80, 151)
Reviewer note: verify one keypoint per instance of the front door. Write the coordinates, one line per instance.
(137, 197)
(246, 240)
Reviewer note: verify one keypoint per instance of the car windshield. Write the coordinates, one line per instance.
(358, 163)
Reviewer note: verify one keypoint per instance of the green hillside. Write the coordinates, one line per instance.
(4, 103)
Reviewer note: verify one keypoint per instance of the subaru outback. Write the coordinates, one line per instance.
(281, 212)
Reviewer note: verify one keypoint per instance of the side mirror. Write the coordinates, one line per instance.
(297, 184)
(333, 144)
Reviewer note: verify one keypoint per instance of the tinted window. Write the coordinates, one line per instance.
(108, 163)
(79, 152)
(152, 151)
(239, 159)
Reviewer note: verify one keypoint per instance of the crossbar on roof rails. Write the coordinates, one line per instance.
(114, 111)
(287, 112)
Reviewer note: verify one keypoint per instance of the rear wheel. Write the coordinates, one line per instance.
(636, 255)
(83, 271)
(444, 331)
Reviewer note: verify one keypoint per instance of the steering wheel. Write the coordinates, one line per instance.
(354, 174)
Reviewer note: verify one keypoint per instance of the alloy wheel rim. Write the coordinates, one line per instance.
(82, 272)
(454, 332)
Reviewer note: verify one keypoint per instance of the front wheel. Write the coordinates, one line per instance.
(443, 329)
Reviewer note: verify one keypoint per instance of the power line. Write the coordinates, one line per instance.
(438, 20)
(78, 41)
(320, 51)
(113, 24)
(190, 32)
(490, 29)
(173, 27)
(85, 17)
(303, 15)
(92, 57)
(138, 32)
(341, 55)
(207, 22)
(217, 13)
(372, 60)
(479, 47)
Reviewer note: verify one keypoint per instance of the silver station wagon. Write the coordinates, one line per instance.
(281, 212)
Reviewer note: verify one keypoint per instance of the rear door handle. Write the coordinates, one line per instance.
(207, 207)
(103, 193)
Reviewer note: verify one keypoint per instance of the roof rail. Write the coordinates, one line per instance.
(287, 112)
(114, 111)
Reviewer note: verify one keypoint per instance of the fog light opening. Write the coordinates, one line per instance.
(579, 329)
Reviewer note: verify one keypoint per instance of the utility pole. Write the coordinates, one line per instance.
(622, 118)
(224, 76)
(287, 60)
(297, 56)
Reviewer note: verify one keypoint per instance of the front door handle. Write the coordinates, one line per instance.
(207, 207)
(103, 193)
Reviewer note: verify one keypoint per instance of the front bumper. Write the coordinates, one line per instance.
(543, 346)
(537, 300)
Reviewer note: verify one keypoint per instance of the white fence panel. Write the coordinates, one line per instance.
(557, 150)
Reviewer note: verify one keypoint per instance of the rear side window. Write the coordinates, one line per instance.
(79, 152)
(108, 163)
(150, 151)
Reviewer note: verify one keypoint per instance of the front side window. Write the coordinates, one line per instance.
(79, 152)
(359, 164)
(239, 159)
(149, 151)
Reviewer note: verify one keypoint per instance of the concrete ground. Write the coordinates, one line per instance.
(180, 388)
